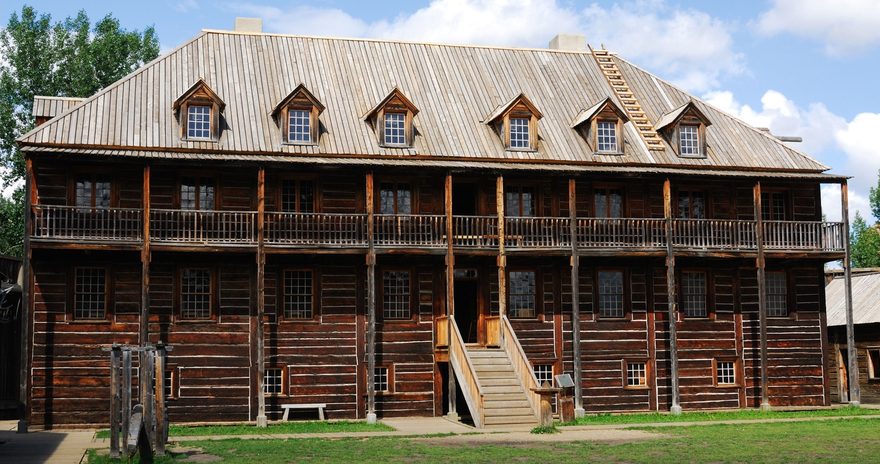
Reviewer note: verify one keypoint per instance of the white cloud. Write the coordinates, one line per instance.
(843, 26)
(184, 6)
(690, 47)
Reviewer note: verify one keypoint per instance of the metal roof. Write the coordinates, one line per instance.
(866, 299)
(454, 86)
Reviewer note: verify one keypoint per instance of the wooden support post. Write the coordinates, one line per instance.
(261, 297)
(145, 262)
(371, 305)
(31, 199)
(115, 365)
(575, 300)
(159, 395)
(147, 367)
(852, 368)
(502, 258)
(126, 389)
(450, 295)
(671, 298)
(760, 264)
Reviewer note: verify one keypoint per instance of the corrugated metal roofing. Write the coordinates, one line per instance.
(455, 87)
(866, 299)
(49, 107)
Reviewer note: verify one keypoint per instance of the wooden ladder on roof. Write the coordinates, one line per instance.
(630, 103)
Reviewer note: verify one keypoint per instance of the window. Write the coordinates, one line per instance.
(297, 196)
(606, 136)
(691, 205)
(169, 383)
(299, 126)
(609, 203)
(273, 381)
(611, 294)
(195, 294)
(198, 125)
(395, 199)
(777, 294)
(92, 193)
(522, 294)
(519, 133)
(395, 129)
(725, 372)
(395, 295)
(874, 363)
(693, 294)
(197, 193)
(689, 140)
(543, 373)
(90, 293)
(636, 374)
(298, 294)
(519, 201)
(381, 381)
(773, 206)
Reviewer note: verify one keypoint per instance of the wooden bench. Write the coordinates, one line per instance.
(287, 407)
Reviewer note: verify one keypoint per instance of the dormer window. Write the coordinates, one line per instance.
(392, 120)
(517, 124)
(198, 111)
(297, 116)
(601, 126)
(685, 130)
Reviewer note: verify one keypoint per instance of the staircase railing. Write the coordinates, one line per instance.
(466, 374)
(521, 365)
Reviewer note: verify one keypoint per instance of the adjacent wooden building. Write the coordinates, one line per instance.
(411, 229)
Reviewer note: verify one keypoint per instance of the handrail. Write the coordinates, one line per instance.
(422, 230)
(521, 365)
(621, 233)
(316, 229)
(467, 375)
(203, 226)
(804, 235)
(475, 231)
(714, 234)
(87, 223)
(537, 232)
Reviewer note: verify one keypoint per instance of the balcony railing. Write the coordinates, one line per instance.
(169, 226)
(87, 224)
(203, 227)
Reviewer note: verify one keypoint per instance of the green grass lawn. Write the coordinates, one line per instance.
(698, 416)
(856, 441)
(280, 428)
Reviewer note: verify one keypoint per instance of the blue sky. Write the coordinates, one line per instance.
(800, 67)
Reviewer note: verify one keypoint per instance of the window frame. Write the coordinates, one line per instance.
(625, 300)
(873, 363)
(531, 126)
(173, 382)
(298, 180)
(396, 184)
(786, 276)
(691, 194)
(285, 381)
(535, 297)
(615, 123)
(518, 190)
(213, 298)
(737, 372)
(385, 129)
(282, 314)
(390, 379)
(93, 178)
(313, 132)
(199, 94)
(767, 213)
(108, 290)
(624, 365)
(412, 308)
(198, 178)
(698, 143)
(708, 293)
(606, 189)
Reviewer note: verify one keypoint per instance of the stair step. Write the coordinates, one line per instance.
(490, 362)
(507, 412)
(485, 353)
(503, 389)
(506, 374)
(518, 403)
(511, 420)
(518, 395)
(499, 381)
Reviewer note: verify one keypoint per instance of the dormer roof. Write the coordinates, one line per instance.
(592, 111)
(199, 89)
(672, 117)
(395, 95)
(299, 91)
(505, 108)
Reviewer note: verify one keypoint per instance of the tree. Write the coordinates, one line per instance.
(864, 243)
(65, 58)
(874, 199)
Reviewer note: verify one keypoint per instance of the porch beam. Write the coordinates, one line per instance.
(852, 369)
(371, 304)
(261, 297)
(502, 258)
(144, 333)
(760, 264)
(575, 300)
(671, 298)
(450, 294)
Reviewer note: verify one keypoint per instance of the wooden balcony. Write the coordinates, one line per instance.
(428, 232)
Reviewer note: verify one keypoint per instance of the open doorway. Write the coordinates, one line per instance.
(467, 304)
(842, 377)
(464, 199)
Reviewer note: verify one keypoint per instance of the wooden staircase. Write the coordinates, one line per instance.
(505, 403)
(630, 104)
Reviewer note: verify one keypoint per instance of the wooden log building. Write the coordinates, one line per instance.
(411, 229)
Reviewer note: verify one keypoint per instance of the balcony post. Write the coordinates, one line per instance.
(144, 374)
(671, 299)
(852, 369)
(575, 299)
(261, 297)
(371, 304)
(502, 258)
(31, 198)
(450, 293)
(762, 294)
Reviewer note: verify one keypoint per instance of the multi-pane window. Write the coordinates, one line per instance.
(725, 372)
(611, 294)
(273, 381)
(606, 136)
(692, 205)
(90, 293)
(395, 199)
(519, 133)
(298, 294)
(689, 140)
(198, 122)
(197, 193)
(636, 374)
(380, 379)
(395, 129)
(521, 302)
(693, 294)
(297, 196)
(777, 294)
(773, 206)
(195, 294)
(608, 203)
(873, 363)
(299, 126)
(169, 383)
(543, 373)
(92, 193)
(519, 201)
(395, 295)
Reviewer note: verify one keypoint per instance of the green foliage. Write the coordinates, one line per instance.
(864, 243)
(12, 224)
(545, 429)
(874, 199)
(279, 428)
(68, 58)
(709, 416)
